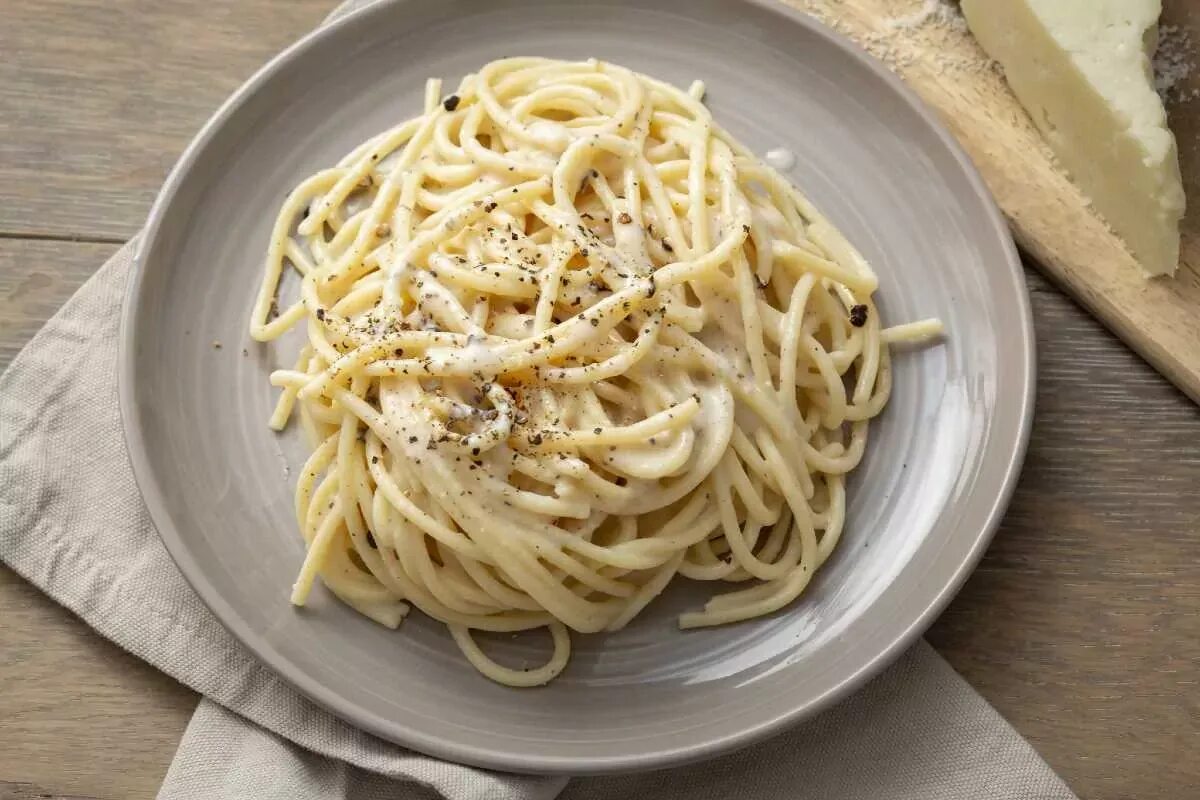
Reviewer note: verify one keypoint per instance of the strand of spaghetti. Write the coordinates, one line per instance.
(516, 677)
(919, 331)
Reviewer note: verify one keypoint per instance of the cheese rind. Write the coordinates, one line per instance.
(1082, 70)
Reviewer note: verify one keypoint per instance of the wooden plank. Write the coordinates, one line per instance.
(1050, 218)
(99, 98)
(80, 715)
(29, 791)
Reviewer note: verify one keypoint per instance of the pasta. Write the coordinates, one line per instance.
(568, 340)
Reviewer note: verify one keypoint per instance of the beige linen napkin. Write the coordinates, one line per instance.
(72, 523)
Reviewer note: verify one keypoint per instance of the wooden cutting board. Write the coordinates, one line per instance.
(1050, 219)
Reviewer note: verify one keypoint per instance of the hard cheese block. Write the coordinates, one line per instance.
(1082, 70)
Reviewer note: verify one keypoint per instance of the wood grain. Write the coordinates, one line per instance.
(30, 791)
(1049, 217)
(1082, 624)
(98, 98)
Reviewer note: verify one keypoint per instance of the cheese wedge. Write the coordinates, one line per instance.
(1082, 70)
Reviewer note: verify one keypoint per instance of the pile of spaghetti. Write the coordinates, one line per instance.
(567, 340)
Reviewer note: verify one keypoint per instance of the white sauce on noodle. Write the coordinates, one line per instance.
(781, 158)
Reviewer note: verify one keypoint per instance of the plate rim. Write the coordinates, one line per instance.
(404, 734)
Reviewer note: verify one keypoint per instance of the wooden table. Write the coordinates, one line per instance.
(1082, 625)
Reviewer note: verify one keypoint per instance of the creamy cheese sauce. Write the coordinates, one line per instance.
(781, 158)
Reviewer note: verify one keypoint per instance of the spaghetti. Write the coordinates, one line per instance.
(567, 340)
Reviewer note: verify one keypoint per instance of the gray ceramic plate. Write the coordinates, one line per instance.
(940, 466)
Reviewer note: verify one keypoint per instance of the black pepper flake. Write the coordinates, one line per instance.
(490, 207)
(667, 246)
(596, 431)
(371, 541)
(321, 314)
(535, 438)
(451, 102)
(412, 440)
(858, 315)
(624, 219)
